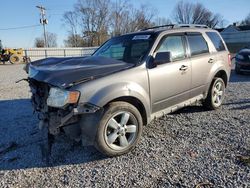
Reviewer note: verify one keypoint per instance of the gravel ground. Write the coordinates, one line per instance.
(184, 149)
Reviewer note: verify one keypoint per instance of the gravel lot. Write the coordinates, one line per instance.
(184, 149)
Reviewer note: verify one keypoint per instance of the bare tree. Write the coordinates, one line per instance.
(125, 18)
(94, 16)
(39, 42)
(97, 20)
(75, 41)
(119, 17)
(191, 13)
(142, 18)
(71, 21)
(51, 40)
(162, 21)
(246, 21)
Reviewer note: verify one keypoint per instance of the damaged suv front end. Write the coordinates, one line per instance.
(55, 106)
(59, 112)
(71, 95)
(56, 96)
(57, 102)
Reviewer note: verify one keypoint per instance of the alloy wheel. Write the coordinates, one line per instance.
(121, 130)
(218, 93)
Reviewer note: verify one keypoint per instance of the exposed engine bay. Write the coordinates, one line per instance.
(72, 120)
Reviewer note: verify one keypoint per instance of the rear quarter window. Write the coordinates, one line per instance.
(197, 44)
(216, 40)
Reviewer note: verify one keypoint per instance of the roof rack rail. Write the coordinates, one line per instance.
(190, 26)
(160, 26)
(171, 26)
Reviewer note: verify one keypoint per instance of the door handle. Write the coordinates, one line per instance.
(211, 60)
(183, 68)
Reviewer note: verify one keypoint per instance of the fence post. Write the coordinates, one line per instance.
(64, 52)
(25, 53)
(46, 55)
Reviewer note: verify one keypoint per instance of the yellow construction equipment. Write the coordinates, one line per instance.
(14, 56)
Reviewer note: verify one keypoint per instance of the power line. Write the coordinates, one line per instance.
(21, 27)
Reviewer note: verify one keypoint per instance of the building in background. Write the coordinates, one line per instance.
(236, 37)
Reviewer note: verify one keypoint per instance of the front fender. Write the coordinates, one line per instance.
(125, 89)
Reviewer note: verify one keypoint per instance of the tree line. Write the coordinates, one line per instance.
(92, 22)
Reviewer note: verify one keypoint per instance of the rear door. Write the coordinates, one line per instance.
(169, 83)
(201, 62)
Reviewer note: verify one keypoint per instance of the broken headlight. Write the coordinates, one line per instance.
(59, 97)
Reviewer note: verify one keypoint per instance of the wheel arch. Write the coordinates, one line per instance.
(136, 103)
(219, 73)
(223, 75)
(132, 93)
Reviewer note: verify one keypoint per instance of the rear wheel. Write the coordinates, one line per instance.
(215, 95)
(15, 59)
(119, 129)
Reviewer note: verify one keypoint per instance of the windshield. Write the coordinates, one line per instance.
(128, 48)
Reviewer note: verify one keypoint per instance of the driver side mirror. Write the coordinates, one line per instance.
(162, 58)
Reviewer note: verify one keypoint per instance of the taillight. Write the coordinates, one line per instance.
(229, 60)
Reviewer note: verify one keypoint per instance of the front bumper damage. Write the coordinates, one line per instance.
(78, 121)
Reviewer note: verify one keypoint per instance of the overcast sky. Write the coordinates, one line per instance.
(18, 13)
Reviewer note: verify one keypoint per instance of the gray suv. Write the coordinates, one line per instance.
(107, 98)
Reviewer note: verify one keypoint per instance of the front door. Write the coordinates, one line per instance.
(170, 82)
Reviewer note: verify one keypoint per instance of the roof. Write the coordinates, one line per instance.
(234, 28)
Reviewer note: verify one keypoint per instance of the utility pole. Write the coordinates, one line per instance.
(44, 22)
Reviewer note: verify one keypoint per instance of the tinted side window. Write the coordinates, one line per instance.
(173, 44)
(218, 44)
(197, 44)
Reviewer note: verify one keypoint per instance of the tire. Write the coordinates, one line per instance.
(15, 59)
(119, 129)
(216, 94)
(237, 70)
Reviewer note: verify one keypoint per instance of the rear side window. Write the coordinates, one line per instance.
(218, 44)
(197, 44)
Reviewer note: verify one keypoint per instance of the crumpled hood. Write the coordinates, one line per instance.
(64, 72)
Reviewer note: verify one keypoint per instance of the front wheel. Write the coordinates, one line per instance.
(216, 94)
(119, 129)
